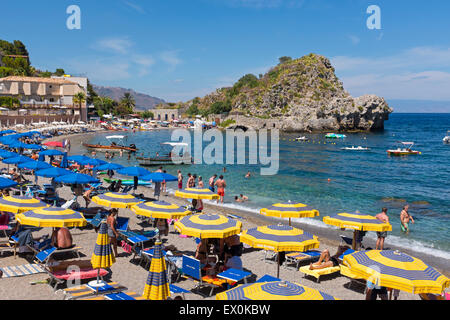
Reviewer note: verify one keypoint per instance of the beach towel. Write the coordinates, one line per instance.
(20, 271)
(125, 246)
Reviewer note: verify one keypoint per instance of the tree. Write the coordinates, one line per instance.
(127, 103)
(147, 114)
(60, 72)
(192, 110)
(79, 98)
(104, 105)
(91, 93)
(220, 107)
(284, 59)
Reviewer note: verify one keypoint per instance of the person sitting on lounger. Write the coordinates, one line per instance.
(327, 261)
(61, 238)
(202, 251)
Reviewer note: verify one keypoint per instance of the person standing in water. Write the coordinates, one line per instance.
(381, 235)
(211, 182)
(405, 218)
(221, 185)
(180, 180)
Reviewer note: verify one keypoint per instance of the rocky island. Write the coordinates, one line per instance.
(298, 95)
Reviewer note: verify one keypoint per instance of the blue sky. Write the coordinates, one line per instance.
(177, 49)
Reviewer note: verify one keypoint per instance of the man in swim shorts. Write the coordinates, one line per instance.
(405, 218)
(211, 182)
(221, 185)
(381, 235)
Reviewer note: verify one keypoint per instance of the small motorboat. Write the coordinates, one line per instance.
(335, 136)
(184, 158)
(353, 148)
(404, 149)
(302, 138)
(447, 137)
(113, 146)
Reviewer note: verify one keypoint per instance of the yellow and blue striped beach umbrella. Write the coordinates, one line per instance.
(18, 204)
(290, 210)
(195, 193)
(357, 221)
(160, 209)
(277, 290)
(116, 200)
(157, 285)
(206, 226)
(279, 238)
(396, 270)
(103, 256)
(52, 217)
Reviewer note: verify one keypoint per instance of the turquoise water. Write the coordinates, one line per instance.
(364, 181)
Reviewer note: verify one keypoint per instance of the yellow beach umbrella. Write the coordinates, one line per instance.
(157, 285)
(357, 221)
(52, 217)
(279, 238)
(195, 193)
(18, 204)
(116, 200)
(290, 210)
(396, 270)
(206, 226)
(277, 290)
(160, 209)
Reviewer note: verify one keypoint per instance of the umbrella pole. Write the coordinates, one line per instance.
(98, 278)
(278, 265)
(289, 222)
(354, 240)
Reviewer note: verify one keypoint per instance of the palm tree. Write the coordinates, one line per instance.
(128, 102)
(79, 98)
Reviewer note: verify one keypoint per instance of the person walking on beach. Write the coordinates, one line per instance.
(221, 185)
(211, 182)
(180, 180)
(381, 235)
(405, 218)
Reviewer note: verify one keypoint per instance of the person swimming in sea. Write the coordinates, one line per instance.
(405, 218)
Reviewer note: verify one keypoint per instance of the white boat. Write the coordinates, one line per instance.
(404, 149)
(302, 138)
(358, 148)
(447, 137)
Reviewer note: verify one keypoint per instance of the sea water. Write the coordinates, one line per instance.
(320, 174)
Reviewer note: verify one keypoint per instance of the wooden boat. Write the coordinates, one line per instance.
(187, 159)
(403, 150)
(103, 148)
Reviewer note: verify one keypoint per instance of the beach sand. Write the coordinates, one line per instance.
(133, 276)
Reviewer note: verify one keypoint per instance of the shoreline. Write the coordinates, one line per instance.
(327, 235)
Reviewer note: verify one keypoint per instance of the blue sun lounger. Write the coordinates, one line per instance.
(177, 290)
(267, 278)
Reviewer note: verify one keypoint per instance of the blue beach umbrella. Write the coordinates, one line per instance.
(50, 153)
(78, 158)
(109, 166)
(34, 165)
(159, 177)
(8, 154)
(52, 172)
(92, 162)
(7, 183)
(76, 178)
(7, 132)
(16, 160)
(134, 171)
(18, 144)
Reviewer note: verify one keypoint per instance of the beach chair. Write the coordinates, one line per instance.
(43, 256)
(97, 219)
(122, 224)
(5, 246)
(233, 276)
(317, 273)
(295, 258)
(84, 291)
(118, 296)
(69, 203)
(267, 278)
(354, 279)
(177, 290)
(62, 272)
(192, 269)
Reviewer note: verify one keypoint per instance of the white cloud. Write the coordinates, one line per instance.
(418, 73)
(118, 45)
(135, 7)
(143, 62)
(171, 58)
(354, 39)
